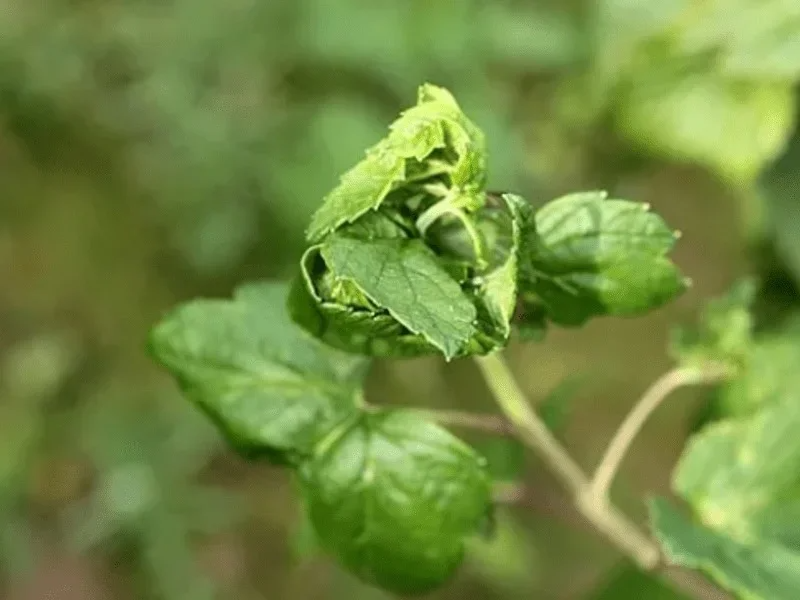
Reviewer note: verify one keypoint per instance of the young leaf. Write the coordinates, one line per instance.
(742, 480)
(270, 386)
(724, 334)
(394, 497)
(404, 277)
(435, 123)
(592, 256)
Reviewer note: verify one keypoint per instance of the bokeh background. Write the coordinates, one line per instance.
(154, 151)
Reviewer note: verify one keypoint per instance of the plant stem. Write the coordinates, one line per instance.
(606, 519)
(650, 401)
(528, 425)
(485, 423)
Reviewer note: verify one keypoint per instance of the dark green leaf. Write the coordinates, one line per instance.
(630, 583)
(394, 497)
(404, 277)
(269, 385)
(594, 256)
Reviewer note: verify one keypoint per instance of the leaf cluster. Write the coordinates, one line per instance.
(409, 255)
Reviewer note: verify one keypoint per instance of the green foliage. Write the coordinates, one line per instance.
(394, 497)
(269, 386)
(594, 256)
(708, 82)
(629, 583)
(724, 334)
(740, 476)
(409, 255)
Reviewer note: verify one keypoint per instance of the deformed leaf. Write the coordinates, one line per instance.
(592, 256)
(395, 497)
(435, 123)
(270, 386)
(404, 277)
(742, 480)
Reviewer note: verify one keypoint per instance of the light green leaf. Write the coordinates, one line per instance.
(734, 127)
(435, 123)
(271, 387)
(630, 583)
(742, 480)
(725, 331)
(592, 256)
(394, 497)
(778, 186)
(771, 372)
(404, 277)
(753, 572)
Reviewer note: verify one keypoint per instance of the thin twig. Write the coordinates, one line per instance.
(604, 517)
(532, 430)
(653, 398)
(482, 422)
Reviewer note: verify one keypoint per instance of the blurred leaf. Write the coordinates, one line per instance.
(734, 127)
(394, 497)
(771, 372)
(630, 583)
(509, 559)
(725, 331)
(751, 570)
(267, 384)
(594, 256)
(556, 407)
(779, 186)
(434, 123)
(742, 480)
(505, 457)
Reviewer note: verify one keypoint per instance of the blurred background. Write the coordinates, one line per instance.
(151, 152)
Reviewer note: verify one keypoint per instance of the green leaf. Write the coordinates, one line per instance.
(435, 123)
(497, 289)
(592, 256)
(752, 571)
(725, 331)
(770, 372)
(742, 480)
(404, 277)
(394, 497)
(734, 127)
(778, 186)
(630, 583)
(269, 386)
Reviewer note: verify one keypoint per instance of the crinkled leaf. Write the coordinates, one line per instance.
(269, 385)
(435, 123)
(594, 256)
(404, 277)
(497, 290)
(742, 480)
(394, 497)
